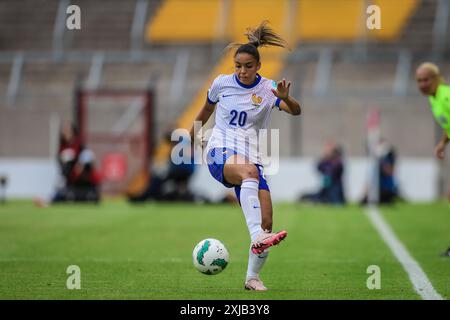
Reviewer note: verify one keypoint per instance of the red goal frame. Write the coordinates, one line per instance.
(145, 137)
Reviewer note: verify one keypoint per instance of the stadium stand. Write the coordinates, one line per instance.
(20, 20)
(325, 64)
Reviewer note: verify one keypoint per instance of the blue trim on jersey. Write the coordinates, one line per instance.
(210, 101)
(277, 103)
(248, 86)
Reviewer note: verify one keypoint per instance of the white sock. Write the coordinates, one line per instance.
(255, 264)
(252, 211)
(251, 206)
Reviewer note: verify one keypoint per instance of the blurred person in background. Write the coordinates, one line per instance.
(387, 159)
(331, 168)
(69, 149)
(173, 183)
(431, 83)
(387, 163)
(82, 183)
(84, 179)
(3, 185)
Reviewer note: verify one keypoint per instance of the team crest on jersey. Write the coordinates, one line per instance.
(256, 100)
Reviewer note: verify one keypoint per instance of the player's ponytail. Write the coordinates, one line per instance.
(262, 36)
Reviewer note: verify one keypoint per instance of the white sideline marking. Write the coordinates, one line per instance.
(418, 278)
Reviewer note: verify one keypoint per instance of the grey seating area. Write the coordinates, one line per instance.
(41, 65)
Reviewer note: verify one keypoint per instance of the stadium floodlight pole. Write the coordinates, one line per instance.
(179, 78)
(360, 45)
(440, 28)
(54, 129)
(402, 73)
(15, 78)
(95, 71)
(137, 30)
(323, 72)
(290, 12)
(373, 138)
(220, 29)
(58, 30)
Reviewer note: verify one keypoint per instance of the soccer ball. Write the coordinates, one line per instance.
(210, 256)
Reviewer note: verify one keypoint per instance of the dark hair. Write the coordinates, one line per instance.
(262, 36)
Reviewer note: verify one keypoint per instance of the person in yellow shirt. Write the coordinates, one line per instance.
(431, 84)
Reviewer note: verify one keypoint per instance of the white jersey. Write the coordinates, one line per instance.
(241, 111)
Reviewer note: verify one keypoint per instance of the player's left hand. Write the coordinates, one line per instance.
(282, 91)
(439, 151)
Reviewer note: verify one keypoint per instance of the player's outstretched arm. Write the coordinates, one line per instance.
(439, 151)
(287, 104)
(203, 117)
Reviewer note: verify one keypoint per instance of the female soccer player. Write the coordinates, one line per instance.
(243, 102)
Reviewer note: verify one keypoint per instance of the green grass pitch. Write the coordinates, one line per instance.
(144, 252)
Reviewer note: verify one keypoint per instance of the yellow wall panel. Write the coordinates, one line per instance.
(395, 15)
(185, 20)
(329, 19)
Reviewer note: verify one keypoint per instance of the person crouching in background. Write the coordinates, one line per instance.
(82, 183)
(84, 179)
(331, 168)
